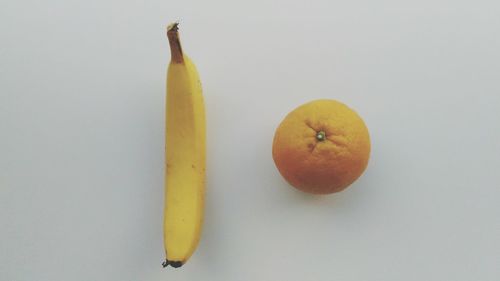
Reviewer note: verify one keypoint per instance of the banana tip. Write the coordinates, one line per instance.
(174, 264)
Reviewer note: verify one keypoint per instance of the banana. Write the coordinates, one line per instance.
(185, 156)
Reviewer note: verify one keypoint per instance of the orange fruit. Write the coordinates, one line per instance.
(321, 147)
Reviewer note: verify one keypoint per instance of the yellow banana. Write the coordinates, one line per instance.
(185, 156)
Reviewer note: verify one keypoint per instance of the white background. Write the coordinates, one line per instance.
(82, 92)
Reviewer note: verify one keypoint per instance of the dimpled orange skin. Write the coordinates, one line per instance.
(316, 163)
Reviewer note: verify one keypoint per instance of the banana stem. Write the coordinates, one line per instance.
(175, 43)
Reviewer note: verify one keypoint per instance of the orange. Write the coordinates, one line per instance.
(321, 147)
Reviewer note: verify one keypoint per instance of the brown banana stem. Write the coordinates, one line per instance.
(175, 43)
